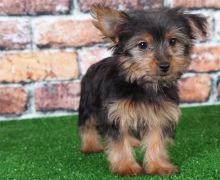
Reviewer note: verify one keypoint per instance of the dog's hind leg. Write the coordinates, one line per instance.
(90, 137)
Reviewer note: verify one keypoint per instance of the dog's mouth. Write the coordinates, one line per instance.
(164, 75)
(168, 77)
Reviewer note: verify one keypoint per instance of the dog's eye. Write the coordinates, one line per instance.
(143, 45)
(172, 42)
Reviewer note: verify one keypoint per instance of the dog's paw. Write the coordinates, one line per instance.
(161, 170)
(91, 149)
(128, 169)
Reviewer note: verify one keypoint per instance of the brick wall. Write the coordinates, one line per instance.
(47, 45)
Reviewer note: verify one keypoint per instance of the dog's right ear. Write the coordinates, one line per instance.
(109, 21)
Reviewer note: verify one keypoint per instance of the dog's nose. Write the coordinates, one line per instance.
(164, 66)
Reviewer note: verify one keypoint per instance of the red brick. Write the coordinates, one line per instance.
(12, 7)
(33, 66)
(59, 32)
(57, 97)
(13, 100)
(89, 56)
(205, 59)
(14, 33)
(196, 3)
(85, 5)
(195, 89)
(48, 6)
(22, 7)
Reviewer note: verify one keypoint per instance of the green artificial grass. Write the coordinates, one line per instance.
(49, 149)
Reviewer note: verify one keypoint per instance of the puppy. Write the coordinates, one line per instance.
(133, 94)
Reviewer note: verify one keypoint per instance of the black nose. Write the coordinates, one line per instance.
(164, 66)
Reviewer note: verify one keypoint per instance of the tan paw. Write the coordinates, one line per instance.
(161, 170)
(91, 149)
(128, 169)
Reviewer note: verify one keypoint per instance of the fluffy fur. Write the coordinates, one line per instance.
(133, 94)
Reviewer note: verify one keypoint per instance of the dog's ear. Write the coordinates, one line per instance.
(198, 25)
(108, 21)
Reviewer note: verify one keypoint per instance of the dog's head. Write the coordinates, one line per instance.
(153, 45)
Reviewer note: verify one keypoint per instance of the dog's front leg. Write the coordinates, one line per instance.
(156, 160)
(121, 158)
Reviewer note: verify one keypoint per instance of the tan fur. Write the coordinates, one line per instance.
(90, 137)
(140, 66)
(130, 114)
(133, 141)
(197, 32)
(179, 65)
(121, 158)
(144, 65)
(145, 69)
(176, 33)
(148, 38)
(178, 61)
(137, 69)
(108, 21)
(156, 160)
(134, 41)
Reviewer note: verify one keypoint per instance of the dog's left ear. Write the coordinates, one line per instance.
(198, 25)
(109, 21)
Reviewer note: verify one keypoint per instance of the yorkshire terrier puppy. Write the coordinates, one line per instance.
(132, 96)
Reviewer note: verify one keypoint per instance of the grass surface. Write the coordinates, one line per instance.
(49, 149)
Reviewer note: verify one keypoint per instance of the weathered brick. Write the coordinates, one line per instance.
(22, 7)
(85, 5)
(205, 59)
(89, 56)
(57, 97)
(195, 89)
(32, 66)
(13, 100)
(48, 6)
(196, 3)
(12, 7)
(14, 33)
(59, 32)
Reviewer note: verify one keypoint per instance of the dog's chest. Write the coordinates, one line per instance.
(138, 114)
